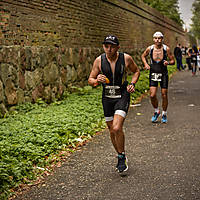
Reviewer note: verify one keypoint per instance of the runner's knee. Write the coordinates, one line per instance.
(164, 95)
(116, 129)
(153, 96)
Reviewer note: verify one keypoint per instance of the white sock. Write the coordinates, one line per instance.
(164, 112)
(157, 110)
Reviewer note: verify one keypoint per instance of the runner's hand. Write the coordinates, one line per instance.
(101, 78)
(130, 88)
(147, 67)
(165, 62)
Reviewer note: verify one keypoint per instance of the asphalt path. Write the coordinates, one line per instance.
(164, 159)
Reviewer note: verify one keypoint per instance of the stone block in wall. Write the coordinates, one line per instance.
(32, 79)
(13, 56)
(10, 92)
(88, 68)
(61, 89)
(28, 56)
(80, 71)
(8, 71)
(38, 92)
(54, 92)
(22, 59)
(73, 74)
(62, 60)
(10, 55)
(82, 55)
(40, 57)
(2, 52)
(68, 55)
(21, 78)
(51, 74)
(3, 109)
(2, 98)
(47, 94)
(45, 58)
(63, 75)
(20, 96)
(68, 75)
(73, 56)
(35, 60)
(28, 98)
(29, 83)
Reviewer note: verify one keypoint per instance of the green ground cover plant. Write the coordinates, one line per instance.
(32, 134)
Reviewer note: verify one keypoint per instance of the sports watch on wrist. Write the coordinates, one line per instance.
(132, 84)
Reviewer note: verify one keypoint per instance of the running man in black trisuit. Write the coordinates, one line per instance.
(159, 53)
(110, 69)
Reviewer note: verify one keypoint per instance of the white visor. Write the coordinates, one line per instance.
(158, 34)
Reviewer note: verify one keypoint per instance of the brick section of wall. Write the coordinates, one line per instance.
(75, 23)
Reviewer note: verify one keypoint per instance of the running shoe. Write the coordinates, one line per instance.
(122, 164)
(164, 119)
(155, 116)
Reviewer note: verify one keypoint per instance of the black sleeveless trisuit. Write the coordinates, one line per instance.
(115, 98)
(158, 68)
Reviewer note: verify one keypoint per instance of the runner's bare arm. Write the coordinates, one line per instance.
(95, 76)
(92, 80)
(170, 56)
(131, 65)
(144, 55)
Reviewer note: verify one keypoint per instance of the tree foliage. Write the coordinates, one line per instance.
(168, 8)
(196, 19)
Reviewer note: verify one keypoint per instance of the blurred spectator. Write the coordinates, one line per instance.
(198, 59)
(178, 56)
(183, 50)
(188, 58)
(193, 55)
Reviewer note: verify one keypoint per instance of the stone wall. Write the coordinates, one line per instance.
(47, 46)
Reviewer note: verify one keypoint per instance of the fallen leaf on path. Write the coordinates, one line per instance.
(191, 105)
(135, 105)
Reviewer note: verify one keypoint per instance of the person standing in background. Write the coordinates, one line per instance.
(178, 56)
(193, 55)
(188, 58)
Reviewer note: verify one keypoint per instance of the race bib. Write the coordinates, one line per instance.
(194, 58)
(112, 91)
(156, 76)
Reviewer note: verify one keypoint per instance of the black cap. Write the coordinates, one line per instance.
(111, 39)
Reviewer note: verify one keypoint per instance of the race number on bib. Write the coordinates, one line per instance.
(112, 91)
(194, 58)
(156, 76)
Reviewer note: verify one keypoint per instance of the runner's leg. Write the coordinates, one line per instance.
(112, 135)
(193, 69)
(154, 100)
(120, 141)
(116, 133)
(164, 99)
(117, 130)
